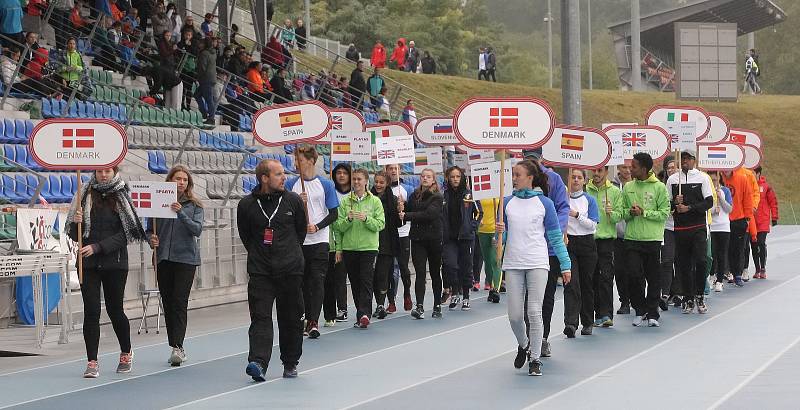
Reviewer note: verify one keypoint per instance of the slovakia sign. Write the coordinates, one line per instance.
(153, 199)
(752, 156)
(577, 147)
(720, 127)
(428, 158)
(290, 123)
(641, 138)
(435, 131)
(395, 150)
(680, 117)
(506, 122)
(343, 119)
(78, 144)
(740, 136)
(724, 156)
(351, 146)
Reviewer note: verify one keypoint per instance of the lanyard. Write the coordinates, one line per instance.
(269, 218)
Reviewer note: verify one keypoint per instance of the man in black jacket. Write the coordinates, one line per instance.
(272, 227)
(279, 87)
(357, 86)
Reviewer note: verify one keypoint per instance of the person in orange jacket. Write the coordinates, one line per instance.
(742, 212)
(378, 57)
(751, 226)
(765, 217)
(399, 54)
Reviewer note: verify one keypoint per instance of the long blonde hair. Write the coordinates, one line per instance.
(434, 188)
(189, 193)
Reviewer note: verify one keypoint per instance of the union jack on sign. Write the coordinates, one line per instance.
(336, 121)
(385, 154)
(634, 139)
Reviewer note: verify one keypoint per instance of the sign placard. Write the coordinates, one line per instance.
(461, 160)
(577, 147)
(661, 115)
(428, 158)
(343, 119)
(351, 146)
(153, 199)
(504, 122)
(641, 138)
(720, 127)
(435, 131)
(479, 156)
(395, 150)
(681, 134)
(724, 156)
(741, 137)
(388, 129)
(78, 144)
(616, 143)
(300, 121)
(752, 156)
(485, 180)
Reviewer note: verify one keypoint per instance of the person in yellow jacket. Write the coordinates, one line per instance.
(487, 238)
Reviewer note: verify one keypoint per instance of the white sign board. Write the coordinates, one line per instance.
(343, 119)
(616, 144)
(577, 147)
(752, 156)
(641, 138)
(724, 156)
(479, 156)
(388, 129)
(78, 144)
(741, 137)
(302, 121)
(485, 180)
(395, 150)
(682, 134)
(664, 114)
(435, 131)
(351, 146)
(505, 122)
(720, 127)
(461, 160)
(428, 158)
(153, 199)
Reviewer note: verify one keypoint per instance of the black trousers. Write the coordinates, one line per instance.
(316, 257)
(286, 294)
(759, 248)
(579, 292)
(604, 279)
(490, 72)
(113, 284)
(361, 270)
(457, 264)
(549, 296)
(175, 281)
(335, 288)
(384, 274)
(719, 251)
(691, 264)
(671, 283)
(737, 246)
(621, 271)
(746, 254)
(643, 266)
(427, 252)
(482, 75)
(402, 263)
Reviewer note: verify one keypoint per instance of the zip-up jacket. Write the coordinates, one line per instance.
(767, 206)
(695, 186)
(388, 238)
(557, 192)
(742, 194)
(585, 223)
(355, 234)
(650, 195)
(425, 213)
(177, 237)
(471, 214)
(112, 246)
(607, 227)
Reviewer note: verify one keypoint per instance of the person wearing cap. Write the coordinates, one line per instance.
(691, 197)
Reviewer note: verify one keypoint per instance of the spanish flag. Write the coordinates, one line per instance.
(572, 142)
(341, 149)
(290, 119)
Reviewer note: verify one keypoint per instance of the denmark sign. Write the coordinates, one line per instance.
(680, 117)
(435, 131)
(78, 144)
(724, 156)
(577, 147)
(505, 122)
(641, 138)
(290, 123)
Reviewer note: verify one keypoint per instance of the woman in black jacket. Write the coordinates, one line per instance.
(388, 245)
(110, 223)
(425, 213)
(178, 252)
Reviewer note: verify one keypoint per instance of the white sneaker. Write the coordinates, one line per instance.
(745, 275)
(652, 323)
(717, 286)
(640, 321)
(177, 357)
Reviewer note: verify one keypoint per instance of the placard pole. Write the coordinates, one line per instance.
(155, 251)
(80, 229)
(500, 210)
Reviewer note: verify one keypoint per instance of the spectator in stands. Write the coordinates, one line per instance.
(482, 64)
(206, 78)
(310, 88)
(175, 22)
(80, 24)
(428, 64)
(412, 58)
(273, 54)
(234, 32)
(399, 54)
(751, 71)
(100, 7)
(255, 83)
(32, 44)
(106, 49)
(352, 53)
(287, 34)
(357, 86)
(225, 58)
(170, 80)
(491, 64)
(161, 22)
(188, 24)
(375, 84)
(130, 22)
(287, 57)
(189, 47)
(116, 12)
(300, 34)
(378, 57)
(205, 26)
(32, 80)
(145, 8)
(72, 67)
(280, 88)
(238, 64)
(10, 23)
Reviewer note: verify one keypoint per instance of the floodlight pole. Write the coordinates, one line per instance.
(571, 61)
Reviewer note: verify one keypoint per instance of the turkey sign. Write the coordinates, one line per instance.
(78, 144)
(504, 122)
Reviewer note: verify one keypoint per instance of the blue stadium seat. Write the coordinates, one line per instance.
(114, 112)
(85, 178)
(8, 152)
(81, 109)
(67, 189)
(8, 130)
(72, 112)
(21, 154)
(20, 132)
(9, 191)
(47, 108)
(90, 110)
(54, 183)
(3, 138)
(29, 161)
(123, 114)
(22, 189)
(33, 183)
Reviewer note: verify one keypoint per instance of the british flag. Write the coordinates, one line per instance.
(385, 154)
(634, 139)
(336, 121)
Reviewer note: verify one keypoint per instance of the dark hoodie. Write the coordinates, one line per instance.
(461, 214)
(346, 167)
(389, 239)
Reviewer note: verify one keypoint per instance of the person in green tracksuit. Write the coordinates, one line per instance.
(609, 202)
(360, 221)
(646, 206)
(487, 238)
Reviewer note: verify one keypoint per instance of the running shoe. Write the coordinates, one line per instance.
(177, 357)
(465, 305)
(757, 275)
(503, 287)
(625, 309)
(341, 316)
(407, 303)
(523, 354)
(763, 274)
(476, 286)
(640, 321)
(391, 309)
(607, 321)
(688, 306)
(493, 297)
(598, 322)
(380, 312)
(418, 312)
(729, 277)
(746, 275)
(363, 322)
(535, 368)
(718, 287)
(445, 296)
(289, 371)
(256, 371)
(306, 327)
(454, 301)
(487, 286)
(329, 323)
(313, 329)
(92, 370)
(569, 330)
(586, 331)
(125, 362)
(662, 303)
(738, 282)
(701, 305)
(546, 348)
(653, 323)
(437, 312)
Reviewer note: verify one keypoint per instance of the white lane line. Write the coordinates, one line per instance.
(654, 347)
(336, 363)
(753, 375)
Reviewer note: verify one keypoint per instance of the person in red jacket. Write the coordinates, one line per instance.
(399, 54)
(378, 58)
(766, 216)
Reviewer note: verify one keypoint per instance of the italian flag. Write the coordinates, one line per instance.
(673, 116)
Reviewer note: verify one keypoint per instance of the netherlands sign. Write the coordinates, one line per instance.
(506, 122)
(741, 137)
(343, 119)
(680, 117)
(435, 131)
(641, 138)
(720, 127)
(723, 156)
(290, 123)
(577, 147)
(78, 144)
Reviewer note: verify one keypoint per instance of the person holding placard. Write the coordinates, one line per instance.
(531, 222)
(609, 200)
(424, 210)
(319, 196)
(646, 205)
(105, 211)
(581, 228)
(334, 303)
(359, 225)
(720, 231)
(178, 256)
(388, 245)
(401, 190)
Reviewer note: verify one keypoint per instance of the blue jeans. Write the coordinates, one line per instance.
(205, 99)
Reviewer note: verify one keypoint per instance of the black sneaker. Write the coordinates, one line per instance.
(289, 371)
(437, 312)
(535, 368)
(569, 330)
(454, 301)
(586, 331)
(493, 297)
(418, 312)
(465, 305)
(380, 312)
(313, 329)
(625, 309)
(546, 348)
(503, 287)
(445, 296)
(522, 356)
(341, 316)
(662, 304)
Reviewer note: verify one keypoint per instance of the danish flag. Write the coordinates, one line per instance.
(503, 117)
(141, 199)
(77, 138)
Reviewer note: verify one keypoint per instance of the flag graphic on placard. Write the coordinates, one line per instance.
(475, 156)
(503, 117)
(385, 154)
(572, 142)
(290, 119)
(738, 138)
(141, 199)
(442, 129)
(336, 121)
(673, 138)
(341, 148)
(421, 160)
(634, 139)
(77, 138)
(675, 116)
(384, 134)
(717, 152)
(481, 182)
